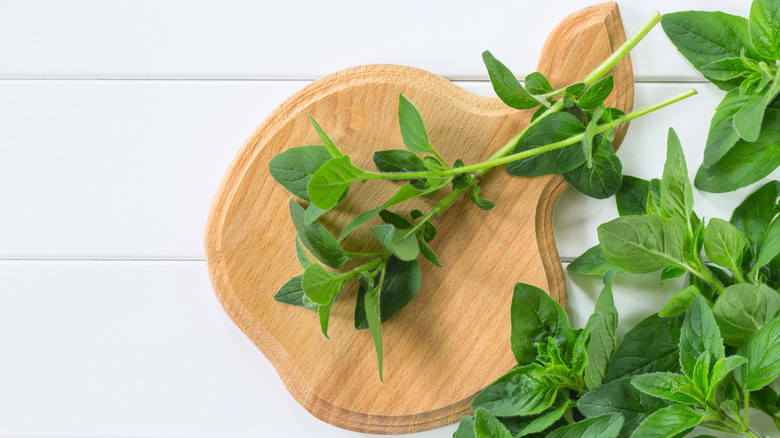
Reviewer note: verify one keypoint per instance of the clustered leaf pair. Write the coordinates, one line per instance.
(739, 56)
(556, 141)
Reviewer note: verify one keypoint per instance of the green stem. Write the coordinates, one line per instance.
(501, 156)
(616, 56)
(497, 159)
(360, 254)
(746, 420)
(511, 143)
(623, 50)
(595, 75)
(369, 265)
(444, 163)
(739, 276)
(575, 139)
(705, 275)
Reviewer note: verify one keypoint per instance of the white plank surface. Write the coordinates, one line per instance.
(301, 39)
(128, 169)
(134, 349)
(143, 349)
(117, 122)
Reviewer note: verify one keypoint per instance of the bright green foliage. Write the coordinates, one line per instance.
(743, 309)
(739, 56)
(668, 422)
(651, 346)
(722, 136)
(294, 167)
(331, 181)
(631, 197)
(555, 128)
(506, 85)
(641, 244)
(592, 261)
(317, 239)
(603, 178)
(522, 391)
(292, 293)
(487, 426)
(723, 244)
(372, 306)
(746, 162)
(398, 160)
(604, 426)
(676, 191)
(321, 285)
(765, 28)
(537, 84)
(535, 317)
(753, 218)
(400, 285)
(762, 352)
(326, 141)
(603, 339)
(620, 397)
(595, 95)
(412, 127)
(389, 276)
(680, 302)
(700, 334)
(771, 248)
(465, 428)
(663, 385)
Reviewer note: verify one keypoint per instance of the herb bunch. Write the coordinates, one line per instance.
(555, 142)
(740, 56)
(707, 357)
(658, 231)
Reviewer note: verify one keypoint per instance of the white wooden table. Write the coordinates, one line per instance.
(117, 122)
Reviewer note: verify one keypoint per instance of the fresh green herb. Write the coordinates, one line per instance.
(553, 370)
(732, 301)
(739, 56)
(667, 376)
(556, 141)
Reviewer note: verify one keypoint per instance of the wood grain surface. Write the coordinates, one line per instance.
(452, 339)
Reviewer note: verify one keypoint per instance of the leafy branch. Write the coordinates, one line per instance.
(555, 142)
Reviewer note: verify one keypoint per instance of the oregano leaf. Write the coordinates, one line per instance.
(294, 167)
(506, 85)
(317, 239)
(596, 93)
(412, 127)
(373, 312)
(331, 181)
(537, 83)
(326, 141)
(321, 285)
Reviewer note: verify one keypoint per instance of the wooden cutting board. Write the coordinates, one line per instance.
(453, 338)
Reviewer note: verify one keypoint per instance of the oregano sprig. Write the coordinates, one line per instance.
(555, 141)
